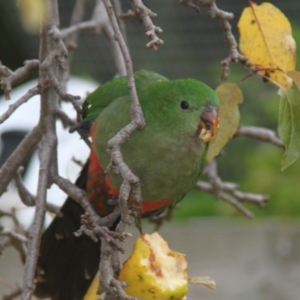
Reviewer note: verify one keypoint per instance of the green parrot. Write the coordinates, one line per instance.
(168, 156)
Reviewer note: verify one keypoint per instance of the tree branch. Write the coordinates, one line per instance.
(143, 13)
(31, 92)
(17, 158)
(224, 17)
(28, 199)
(137, 122)
(228, 191)
(261, 134)
(9, 78)
(51, 50)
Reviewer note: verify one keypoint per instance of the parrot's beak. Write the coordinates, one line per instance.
(209, 124)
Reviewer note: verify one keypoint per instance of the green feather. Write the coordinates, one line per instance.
(167, 155)
(118, 87)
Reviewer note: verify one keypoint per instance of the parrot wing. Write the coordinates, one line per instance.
(118, 87)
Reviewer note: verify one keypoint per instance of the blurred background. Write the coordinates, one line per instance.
(257, 259)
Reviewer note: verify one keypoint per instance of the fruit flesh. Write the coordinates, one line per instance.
(153, 271)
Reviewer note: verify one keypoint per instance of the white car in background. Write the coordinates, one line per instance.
(70, 146)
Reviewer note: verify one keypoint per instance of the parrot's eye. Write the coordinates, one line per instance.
(184, 104)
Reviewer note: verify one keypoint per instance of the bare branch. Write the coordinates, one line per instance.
(52, 57)
(28, 199)
(17, 240)
(75, 193)
(118, 12)
(191, 4)
(137, 122)
(66, 32)
(90, 228)
(77, 17)
(224, 17)
(261, 134)
(31, 92)
(17, 158)
(100, 24)
(100, 16)
(145, 14)
(68, 97)
(12, 216)
(9, 78)
(228, 191)
(108, 284)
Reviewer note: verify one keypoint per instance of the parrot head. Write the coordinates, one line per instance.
(185, 107)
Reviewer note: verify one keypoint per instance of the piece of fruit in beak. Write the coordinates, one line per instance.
(209, 124)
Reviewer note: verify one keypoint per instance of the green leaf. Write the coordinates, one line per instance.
(229, 117)
(289, 125)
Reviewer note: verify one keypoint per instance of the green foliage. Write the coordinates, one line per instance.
(255, 165)
(289, 125)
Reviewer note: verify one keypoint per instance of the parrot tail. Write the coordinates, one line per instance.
(67, 264)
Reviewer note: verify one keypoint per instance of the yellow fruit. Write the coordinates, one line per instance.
(153, 271)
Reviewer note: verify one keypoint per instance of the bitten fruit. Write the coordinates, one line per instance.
(154, 271)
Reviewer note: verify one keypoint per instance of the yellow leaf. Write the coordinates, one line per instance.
(266, 39)
(229, 117)
(33, 12)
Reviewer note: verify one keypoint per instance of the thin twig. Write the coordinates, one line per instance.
(18, 157)
(90, 228)
(31, 92)
(51, 46)
(9, 78)
(228, 191)
(66, 32)
(15, 239)
(261, 134)
(145, 14)
(76, 194)
(28, 199)
(137, 122)
(224, 17)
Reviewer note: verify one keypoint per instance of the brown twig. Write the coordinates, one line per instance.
(31, 92)
(76, 194)
(261, 134)
(52, 51)
(118, 12)
(137, 122)
(12, 216)
(90, 228)
(224, 17)
(28, 199)
(228, 191)
(69, 122)
(9, 78)
(15, 239)
(100, 16)
(145, 14)
(100, 24)
(69, 31)
(25, 148)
